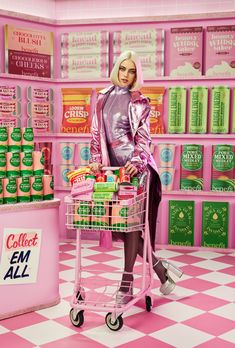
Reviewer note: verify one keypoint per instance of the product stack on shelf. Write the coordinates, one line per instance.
(85, 55)
(68, 158)
(22, 176)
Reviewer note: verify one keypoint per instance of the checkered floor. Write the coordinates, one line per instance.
(200, 312)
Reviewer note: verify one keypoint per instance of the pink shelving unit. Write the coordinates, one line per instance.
(59, 27)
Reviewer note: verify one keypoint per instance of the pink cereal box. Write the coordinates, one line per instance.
(85, 66)
(138, 40)
(35, 94)
(85, 42)
(220, 51)
(10, 92)
(185, 51)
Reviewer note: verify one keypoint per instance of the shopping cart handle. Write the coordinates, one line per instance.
(110, 168)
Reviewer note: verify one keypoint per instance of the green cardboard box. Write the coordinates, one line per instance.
(181, 223)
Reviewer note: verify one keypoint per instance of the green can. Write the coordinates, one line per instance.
(198, 108)
(9, 191)
(176, 110)
(14, 139)
(27, 139)
(36, 188)
(220, 105)
(23, 189)
(3, 165)
(3, 140)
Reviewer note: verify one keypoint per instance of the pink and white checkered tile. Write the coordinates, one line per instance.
(199, 313)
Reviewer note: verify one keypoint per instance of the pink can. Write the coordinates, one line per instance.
(36, 188)
(9, 190)
(48, 187)
(23, 189)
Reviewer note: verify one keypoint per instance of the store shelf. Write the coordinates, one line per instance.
(26, 77)
(153, 136)
(62, 188)
(199, 193)
(107, 80)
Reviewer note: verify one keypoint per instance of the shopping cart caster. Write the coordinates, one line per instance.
(117, 325)
(77, 318)
(148, 303)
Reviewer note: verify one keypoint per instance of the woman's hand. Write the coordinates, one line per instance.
(131, 169)
(95, 167)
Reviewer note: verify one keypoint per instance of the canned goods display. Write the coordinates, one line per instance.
(124, 176)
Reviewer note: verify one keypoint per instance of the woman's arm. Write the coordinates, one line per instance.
(95, 146)
(142, 140)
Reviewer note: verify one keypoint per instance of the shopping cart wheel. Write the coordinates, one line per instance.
(77, 319)
(148, 303)
(117, 325)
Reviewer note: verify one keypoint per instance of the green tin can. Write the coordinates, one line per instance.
(9, 191)
(198, 108)
(3, 140)
(3, 165)
(36, 188)
(176, 110)
(14, 139)
(220, 105)
(23, 189)
(27, 139)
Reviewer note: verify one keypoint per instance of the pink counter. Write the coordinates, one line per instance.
(29, 251)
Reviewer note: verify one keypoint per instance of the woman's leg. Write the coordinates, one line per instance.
(131, 243)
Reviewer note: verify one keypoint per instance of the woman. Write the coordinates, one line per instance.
(120, 137)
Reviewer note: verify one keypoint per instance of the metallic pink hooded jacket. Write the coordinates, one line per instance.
(139, 109)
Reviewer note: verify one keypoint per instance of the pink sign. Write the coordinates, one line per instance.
(28, 51)
(20, 256)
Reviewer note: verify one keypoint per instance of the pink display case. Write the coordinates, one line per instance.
(29, 251)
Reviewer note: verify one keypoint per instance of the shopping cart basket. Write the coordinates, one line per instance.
(125, 216)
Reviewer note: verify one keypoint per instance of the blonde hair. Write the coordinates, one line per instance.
(138, 82)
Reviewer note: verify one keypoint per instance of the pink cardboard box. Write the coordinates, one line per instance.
(185, 51)
(220, 51)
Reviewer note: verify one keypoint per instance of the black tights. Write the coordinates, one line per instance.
(133, 246)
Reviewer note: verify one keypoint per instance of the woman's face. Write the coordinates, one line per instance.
(126, 73)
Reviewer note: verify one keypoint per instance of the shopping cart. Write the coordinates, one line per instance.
(125, 216)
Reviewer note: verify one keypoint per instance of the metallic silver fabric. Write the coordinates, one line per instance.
(117, 126)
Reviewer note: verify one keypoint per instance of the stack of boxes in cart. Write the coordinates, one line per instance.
(109, 200)
(22, 176)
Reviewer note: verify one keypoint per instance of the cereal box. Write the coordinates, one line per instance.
(181, 223)
(220, 51)
(185, 55)
(215, 217)
(85, 42)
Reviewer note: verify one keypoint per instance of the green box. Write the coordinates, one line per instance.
(181, 223)
(198, 109)
(220, 105)
(215, 216)
(177, 110)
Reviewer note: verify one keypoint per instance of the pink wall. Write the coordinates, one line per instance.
(84, 9)
(81, 9)
(42, 8)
